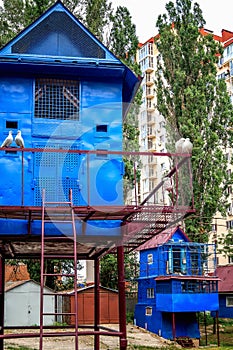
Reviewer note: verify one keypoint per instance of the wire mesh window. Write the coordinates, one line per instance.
(150, 293)
(57, 99)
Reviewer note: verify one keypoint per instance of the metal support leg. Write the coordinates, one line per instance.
(2, 282)
(97, 303)
(217, 323)
(122, 300)
(173, 326)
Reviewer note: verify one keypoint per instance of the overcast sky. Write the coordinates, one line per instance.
(218, 14)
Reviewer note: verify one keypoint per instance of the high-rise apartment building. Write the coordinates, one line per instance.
(151, 124)
(153, 135)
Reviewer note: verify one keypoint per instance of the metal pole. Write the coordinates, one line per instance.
(135, 184)
(173, 326)
(217, 323)
(2, 282)
(22, 180)
(97, 303)
(121, 297)
(206, 340)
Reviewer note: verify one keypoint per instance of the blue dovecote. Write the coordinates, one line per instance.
(177, 280)
(65, 91)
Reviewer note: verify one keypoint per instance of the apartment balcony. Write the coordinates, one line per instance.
(150, 106)
(150, 119)
(150, 92)
(153, 174)
(149, 79)
(152, 160)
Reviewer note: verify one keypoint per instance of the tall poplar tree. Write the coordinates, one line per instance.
(195, 104)
(98, 18)
(124, 44)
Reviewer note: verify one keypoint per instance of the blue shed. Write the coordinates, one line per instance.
(177, 280)
(68, 95)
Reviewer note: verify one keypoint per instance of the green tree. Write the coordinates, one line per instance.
(195, 104)
(108, 270)
(52, 266)
(97, 18)
(124, 44)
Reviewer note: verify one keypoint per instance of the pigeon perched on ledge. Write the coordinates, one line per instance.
(183, 145)
(179, 144)
(187, 146)
(8, 140)
(19, 140)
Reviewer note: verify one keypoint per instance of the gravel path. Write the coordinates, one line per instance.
(135, 335)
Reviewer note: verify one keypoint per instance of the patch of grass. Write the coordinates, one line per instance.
(17, 347)
(140, 347)
(225, 336)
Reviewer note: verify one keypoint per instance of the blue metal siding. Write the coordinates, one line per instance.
(96, 180)
(187, 302)
(225, 311)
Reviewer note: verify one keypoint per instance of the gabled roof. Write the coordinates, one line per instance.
(57, 33)
(163, 238)
(57, 43)
(11, 285)
(81, 290)
(225, 274)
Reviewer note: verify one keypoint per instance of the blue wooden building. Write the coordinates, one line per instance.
(68, 95)
(65, 91)
(177, 280)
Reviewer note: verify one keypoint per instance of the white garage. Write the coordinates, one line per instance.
(22, 304)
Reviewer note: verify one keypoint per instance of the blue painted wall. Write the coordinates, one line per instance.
(225, 311)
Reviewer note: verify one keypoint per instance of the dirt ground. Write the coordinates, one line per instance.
(135, 336)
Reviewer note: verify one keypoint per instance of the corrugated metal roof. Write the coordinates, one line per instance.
(161, 238)
(225, 274)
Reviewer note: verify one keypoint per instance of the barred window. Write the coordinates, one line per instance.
(150, 293)
(150, 258)
(57, 99)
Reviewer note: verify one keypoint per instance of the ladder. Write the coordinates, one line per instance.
(49, 215)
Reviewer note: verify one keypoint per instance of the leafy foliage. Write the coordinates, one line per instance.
(108, 270)
(195, 104)
(51, 266)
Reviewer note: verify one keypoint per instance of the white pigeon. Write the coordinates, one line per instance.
(187, 146)
(8, 140)
(19, 140)
(179, 144)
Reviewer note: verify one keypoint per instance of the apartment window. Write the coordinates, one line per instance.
(229, 224)
(57, 99)
(229, 301)
(214, 228)
(150, 258)
(150, 293)
(148, 311)
(151, 185)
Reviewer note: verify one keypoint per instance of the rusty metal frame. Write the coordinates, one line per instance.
(140, 222)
